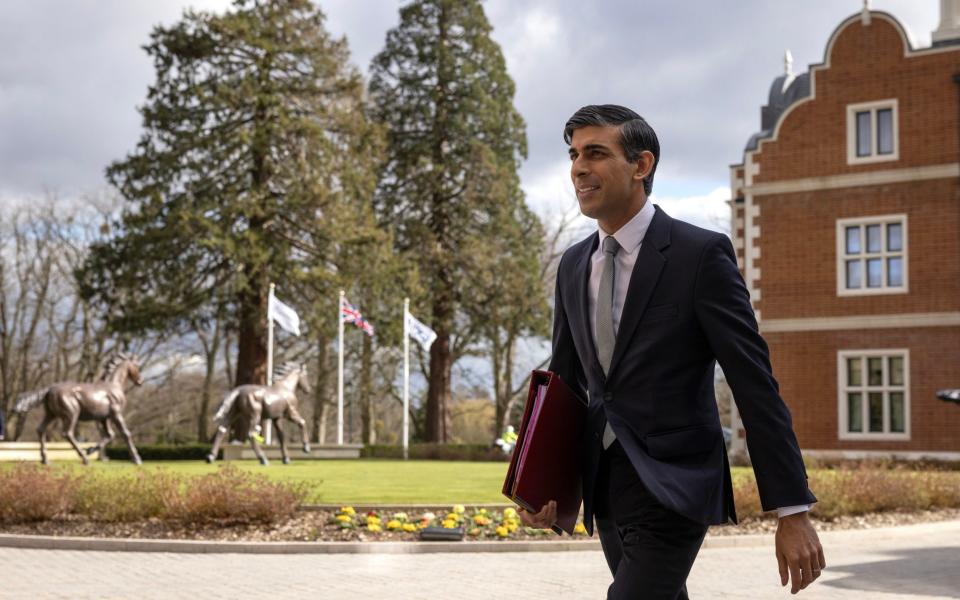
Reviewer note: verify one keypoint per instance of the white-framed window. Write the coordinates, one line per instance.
(872, 255)
(874, 398)
(873, 134)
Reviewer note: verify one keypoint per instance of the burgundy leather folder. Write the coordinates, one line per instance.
(546, 458)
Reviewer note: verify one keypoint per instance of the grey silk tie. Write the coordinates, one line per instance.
(606, 334)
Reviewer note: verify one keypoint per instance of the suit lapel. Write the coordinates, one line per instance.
(581, 281)
(643, 280)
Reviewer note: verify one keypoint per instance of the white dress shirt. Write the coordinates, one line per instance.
(630, 237)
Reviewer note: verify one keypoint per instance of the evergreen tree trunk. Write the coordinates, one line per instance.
(438, 394)
(252, 335)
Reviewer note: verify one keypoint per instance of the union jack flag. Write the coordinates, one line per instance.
(349, 314)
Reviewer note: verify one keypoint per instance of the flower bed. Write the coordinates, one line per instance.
(231, 504)
(478, 523)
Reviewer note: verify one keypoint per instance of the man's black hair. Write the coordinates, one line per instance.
(636, 135)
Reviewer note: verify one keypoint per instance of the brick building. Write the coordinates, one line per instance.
(846, 221)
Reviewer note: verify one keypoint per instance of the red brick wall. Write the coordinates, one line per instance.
(798, 262)
(798, 266)
(867, 63)
(805, 363)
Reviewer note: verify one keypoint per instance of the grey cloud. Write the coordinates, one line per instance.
(72, 73)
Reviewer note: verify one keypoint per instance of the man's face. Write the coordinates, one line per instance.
(604, 180)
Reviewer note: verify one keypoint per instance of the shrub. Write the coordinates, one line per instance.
(433, 451)
(30, 492)
(234, 496)
(142, 495)
(852, 491)
(229, 496)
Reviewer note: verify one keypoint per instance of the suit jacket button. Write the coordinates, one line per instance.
(596, 435)
(607, 397)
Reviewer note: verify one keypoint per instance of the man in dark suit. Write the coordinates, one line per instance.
(644, 309)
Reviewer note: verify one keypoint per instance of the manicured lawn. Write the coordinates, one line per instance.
(358, 481)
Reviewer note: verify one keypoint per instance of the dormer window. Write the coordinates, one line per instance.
(872, 132)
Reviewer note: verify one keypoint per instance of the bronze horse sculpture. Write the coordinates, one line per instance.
(246, 407)
(102, 401)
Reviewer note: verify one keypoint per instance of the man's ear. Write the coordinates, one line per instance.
(644, 164)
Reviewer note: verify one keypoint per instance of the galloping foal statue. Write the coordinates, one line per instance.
(244, 409)
(71, 402)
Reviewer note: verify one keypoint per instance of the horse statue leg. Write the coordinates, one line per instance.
(106, 436)
(283, 441)
(294, 416)
(255, 411)
(217, 440)
(69, 432)
(117, 419)
(42, 434)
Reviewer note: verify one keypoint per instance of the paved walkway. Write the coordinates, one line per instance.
(916, 562)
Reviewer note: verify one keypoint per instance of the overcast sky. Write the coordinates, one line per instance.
(72, 74)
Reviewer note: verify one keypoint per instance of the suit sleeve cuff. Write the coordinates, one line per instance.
(786, 511)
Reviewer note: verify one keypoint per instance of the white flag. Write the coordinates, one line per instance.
(420, 332)
(285, 316)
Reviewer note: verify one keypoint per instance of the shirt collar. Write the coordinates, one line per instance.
(631, 234)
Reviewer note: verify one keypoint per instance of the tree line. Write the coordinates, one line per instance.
(265, 157)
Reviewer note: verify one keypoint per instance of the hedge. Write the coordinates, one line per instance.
(162, 452)
(464, 452)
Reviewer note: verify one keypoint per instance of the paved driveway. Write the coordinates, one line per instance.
(909, 562)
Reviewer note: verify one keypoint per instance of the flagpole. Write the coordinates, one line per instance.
(267, 437)
(340, 371)
(406, 377)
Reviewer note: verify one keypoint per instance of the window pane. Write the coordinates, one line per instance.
(897, 413)
(854, 412)
(895, 237)
(895, 271)
(853, 240)
(874, 272)
(864, 143)
(896, 370)
(875, 408)
(854, 274)
(875, 370)
(853, 372)
(873, 238)
(885, 131)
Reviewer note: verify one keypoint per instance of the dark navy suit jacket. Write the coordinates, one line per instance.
(686, 308)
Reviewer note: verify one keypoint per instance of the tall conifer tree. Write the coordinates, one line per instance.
(253, 133)
(455, 141)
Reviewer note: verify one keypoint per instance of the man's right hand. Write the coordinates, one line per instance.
(545, 519)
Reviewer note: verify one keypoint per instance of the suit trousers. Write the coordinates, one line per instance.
(648, 548)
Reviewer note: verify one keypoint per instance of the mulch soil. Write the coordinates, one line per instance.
(322, 526)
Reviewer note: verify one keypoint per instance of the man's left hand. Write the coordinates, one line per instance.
(799, 552)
